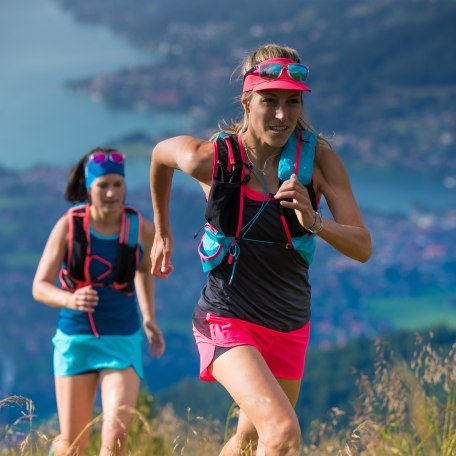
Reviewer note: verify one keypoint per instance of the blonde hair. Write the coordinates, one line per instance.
(265, 52)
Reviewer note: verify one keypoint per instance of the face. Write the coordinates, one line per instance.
(272, 116)
(108, 192)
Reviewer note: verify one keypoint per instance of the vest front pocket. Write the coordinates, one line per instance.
(212, 248)
(222, 210)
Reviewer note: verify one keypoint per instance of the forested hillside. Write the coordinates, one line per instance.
(383, 73)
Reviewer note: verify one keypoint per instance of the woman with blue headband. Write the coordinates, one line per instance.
(263, 179)
(100, 251)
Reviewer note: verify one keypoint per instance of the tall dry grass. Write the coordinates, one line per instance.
(403, 408)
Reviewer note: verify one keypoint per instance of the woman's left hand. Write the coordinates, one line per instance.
(156, 339)
(293, 190)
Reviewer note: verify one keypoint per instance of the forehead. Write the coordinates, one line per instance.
(109, 179)
(280, 93)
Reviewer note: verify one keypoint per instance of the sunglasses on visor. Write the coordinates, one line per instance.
(101, 157)
(296, 71)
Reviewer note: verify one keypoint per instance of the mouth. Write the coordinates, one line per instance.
(278, 129)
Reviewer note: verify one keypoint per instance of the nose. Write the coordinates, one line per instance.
(281, 112)
(109, 192)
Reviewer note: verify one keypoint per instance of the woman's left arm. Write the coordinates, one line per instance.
(347, 232)
(144, 285)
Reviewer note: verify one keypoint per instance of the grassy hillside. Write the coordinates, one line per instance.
(404, 405)
(330, 378)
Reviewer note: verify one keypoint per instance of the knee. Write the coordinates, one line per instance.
(282, 438)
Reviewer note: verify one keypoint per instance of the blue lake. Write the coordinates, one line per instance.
(42, 46)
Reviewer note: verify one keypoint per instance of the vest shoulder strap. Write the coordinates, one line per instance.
(131, 227)
(228, 160)
(298, 156)
(78, 244)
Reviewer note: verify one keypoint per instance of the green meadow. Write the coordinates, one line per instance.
(415, 313)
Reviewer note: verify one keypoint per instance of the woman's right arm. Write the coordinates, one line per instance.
(44, 289)
(195, 158)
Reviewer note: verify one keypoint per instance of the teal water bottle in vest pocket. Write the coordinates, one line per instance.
(213, 247)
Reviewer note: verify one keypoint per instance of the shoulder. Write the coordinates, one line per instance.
(326, 159)
(59, 233)
(329, 169)
(324, 152)
(185, 145)
(62, 224)
(191, 155)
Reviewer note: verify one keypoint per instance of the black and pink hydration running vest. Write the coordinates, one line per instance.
(259, 240)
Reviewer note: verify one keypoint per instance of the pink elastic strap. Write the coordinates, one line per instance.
(256, 196)
(230, 155)
(127, 229)
(86, 222)
(242, 191)
(140, 220)
(241, 198)
(106, 263)
(287, 230)
(298, 155)
(211, 257)
(70, 237)
(215, 163)
(92, 325)
(120, 286)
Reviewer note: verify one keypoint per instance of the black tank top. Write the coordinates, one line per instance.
(270, 285)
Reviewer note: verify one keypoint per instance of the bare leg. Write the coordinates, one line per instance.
(244, 373)
(119, 391)
(75, 396)
(246, 436)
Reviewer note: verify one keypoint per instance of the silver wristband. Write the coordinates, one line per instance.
(312, 228)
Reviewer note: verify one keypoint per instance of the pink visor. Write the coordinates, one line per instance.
(278, 73)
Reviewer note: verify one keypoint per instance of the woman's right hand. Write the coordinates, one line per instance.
(84, 299)
(160, 256)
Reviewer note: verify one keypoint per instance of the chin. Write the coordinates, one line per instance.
(278, 141)
(280, 136)
(111, 207)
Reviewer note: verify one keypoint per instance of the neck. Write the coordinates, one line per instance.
(103, 218)
(259, 153)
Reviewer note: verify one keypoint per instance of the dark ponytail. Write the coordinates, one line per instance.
(76, 191)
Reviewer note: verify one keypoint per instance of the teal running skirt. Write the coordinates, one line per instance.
(83, 353)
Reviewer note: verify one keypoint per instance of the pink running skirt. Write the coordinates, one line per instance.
(284, 352)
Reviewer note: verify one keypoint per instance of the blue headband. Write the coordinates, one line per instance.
(94, 170)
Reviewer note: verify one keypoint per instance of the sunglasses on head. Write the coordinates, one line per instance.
(296, 71)
(101, 157)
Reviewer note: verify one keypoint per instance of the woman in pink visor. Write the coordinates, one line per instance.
(263, 178)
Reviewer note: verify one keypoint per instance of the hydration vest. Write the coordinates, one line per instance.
(225, 204)
(76, 274)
